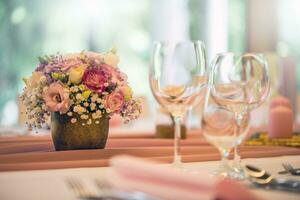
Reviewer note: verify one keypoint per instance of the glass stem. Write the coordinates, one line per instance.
(224, 159)
(237, 157)
(224, 167)
(177, 137)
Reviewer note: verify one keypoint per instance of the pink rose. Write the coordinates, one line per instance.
(70, 63)
(56, 98)
(95, 78)
(114, 101)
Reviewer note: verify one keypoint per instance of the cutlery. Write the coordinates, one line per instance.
(290, 169)
(80, 190)
(286, 172)
(107, 190)
(254, 171)
(269, 182)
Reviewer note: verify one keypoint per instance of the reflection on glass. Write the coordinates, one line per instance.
(218, 126)
(177, 78)
(240, 83)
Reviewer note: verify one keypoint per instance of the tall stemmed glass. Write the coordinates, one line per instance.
(177, 77)
(240, 83)
(218, 127)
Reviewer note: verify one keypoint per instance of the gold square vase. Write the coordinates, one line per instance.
(79, 135)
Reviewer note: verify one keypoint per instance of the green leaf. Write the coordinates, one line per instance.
(43, 59)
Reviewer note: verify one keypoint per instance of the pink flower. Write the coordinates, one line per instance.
(56, 98)
(94, 56)
(95, 79)
(114, 101)
(70, 63)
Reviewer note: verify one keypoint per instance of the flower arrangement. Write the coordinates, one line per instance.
(85, 85)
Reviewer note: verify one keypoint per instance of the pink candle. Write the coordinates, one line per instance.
(280, 101)
(280, 122)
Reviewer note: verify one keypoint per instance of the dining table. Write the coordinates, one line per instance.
(30, 168)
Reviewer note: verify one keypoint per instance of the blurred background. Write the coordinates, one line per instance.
(31, 28)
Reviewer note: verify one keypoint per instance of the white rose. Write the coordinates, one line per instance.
(111, 59)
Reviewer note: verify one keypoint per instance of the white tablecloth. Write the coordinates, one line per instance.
(51, 184)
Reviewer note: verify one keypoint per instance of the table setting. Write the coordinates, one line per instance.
(82, 156)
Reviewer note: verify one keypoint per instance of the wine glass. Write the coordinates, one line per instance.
(218, 127)
(177, 77)
(240, 83)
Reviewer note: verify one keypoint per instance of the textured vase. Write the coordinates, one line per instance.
(71, 136)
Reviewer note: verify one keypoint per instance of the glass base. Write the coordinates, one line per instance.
(224, 169)
(238, 174)
(238, 170)
(177, 162)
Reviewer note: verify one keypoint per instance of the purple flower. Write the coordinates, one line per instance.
(52, 63)
(62, 65)
(58, 63)
(40, 67)
(117, 76)
(131, 110)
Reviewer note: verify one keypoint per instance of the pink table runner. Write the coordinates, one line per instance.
(37, 152)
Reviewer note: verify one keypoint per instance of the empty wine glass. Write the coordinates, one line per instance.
(240, 83)
(177, 78)
(218, 127)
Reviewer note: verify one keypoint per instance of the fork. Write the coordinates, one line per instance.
(106, 193)
(107, 190)
(104, 188)
(81, 191)
(289, 168)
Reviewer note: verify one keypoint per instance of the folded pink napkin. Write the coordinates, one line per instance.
(135, 174)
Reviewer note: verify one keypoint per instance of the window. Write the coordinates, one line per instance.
(32, 28)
